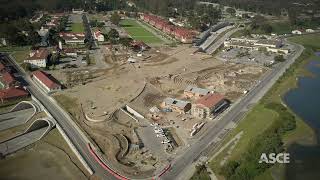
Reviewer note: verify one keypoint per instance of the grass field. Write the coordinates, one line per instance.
(260, 118)
(137, 32)
(282, 27)
(20, 53)
(77, 28)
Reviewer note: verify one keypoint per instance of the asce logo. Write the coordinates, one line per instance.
(272, 158)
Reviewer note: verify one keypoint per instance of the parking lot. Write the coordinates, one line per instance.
(157, 139)
(245, 56)
(72, 62)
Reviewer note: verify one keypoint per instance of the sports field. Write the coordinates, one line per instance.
(77, 28)
(137, 32)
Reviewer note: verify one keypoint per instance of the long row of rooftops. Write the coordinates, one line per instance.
(181, 33)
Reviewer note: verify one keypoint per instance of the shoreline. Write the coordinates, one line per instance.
(303, 134)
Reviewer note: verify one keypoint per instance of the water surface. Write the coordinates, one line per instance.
(305, 102)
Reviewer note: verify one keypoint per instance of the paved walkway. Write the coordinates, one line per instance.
(16, 118)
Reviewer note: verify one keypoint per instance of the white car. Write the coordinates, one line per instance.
(161, 135)
(154, 124)
(165, 141)
(158, 131)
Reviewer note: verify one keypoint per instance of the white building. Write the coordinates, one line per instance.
(38, 58)
(275, 46)
(296, 32)
(73, 38)
(98, 36)
(3, 42)
(77, 11)
(309, 30)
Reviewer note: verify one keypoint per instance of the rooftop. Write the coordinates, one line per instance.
(41, 53)
(210, 100)
(2, 67)
(197, 90)
(72, 36)
(46, 79)
(176, 102)
(7, 78)
(13, 93)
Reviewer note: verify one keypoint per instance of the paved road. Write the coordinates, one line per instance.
(185, 160)
(64, 120)
(213, 47)
(20, 142)
(16, 118)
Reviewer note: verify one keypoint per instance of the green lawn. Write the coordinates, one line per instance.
(137, 32)
(77, 28)
(257, 121)
(20, 53)
(201, 174)
(310, 41)
(260, 117)
(281, 27)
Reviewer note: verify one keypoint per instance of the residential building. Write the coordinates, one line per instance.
(209, 105)
(195, 92)
(38, 58)
(271, 45)
(176, 105)
(70, 52)
(46, 81)
(8, 80)
(3, 41)
(309, 30)
(36, 17)
(98, 36)
(73, 38)
(77, 11)
(182, 34)
(2, 67)
(297, 32)
(12, 94)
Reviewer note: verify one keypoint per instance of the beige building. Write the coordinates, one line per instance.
(209, 105)
(195, 92)
(176, 105)
(38, 58)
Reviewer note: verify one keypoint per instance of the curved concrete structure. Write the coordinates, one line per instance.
(41, 123)
(24, 105)
(38, 129)
(18, 115)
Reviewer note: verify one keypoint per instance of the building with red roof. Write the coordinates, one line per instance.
(209, 105)
(184, 35)
(98, 36)
(12, 94)
(46, 81)
(73, 38)
(8, 80)
(2, 67)
(38, 58)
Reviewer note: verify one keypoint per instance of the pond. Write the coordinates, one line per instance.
(305, 102)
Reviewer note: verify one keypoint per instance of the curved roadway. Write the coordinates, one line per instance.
(180, 164)
(185, 159)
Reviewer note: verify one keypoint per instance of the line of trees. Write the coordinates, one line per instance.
(270, 141)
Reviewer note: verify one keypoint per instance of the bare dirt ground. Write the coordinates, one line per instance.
(159, 73)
